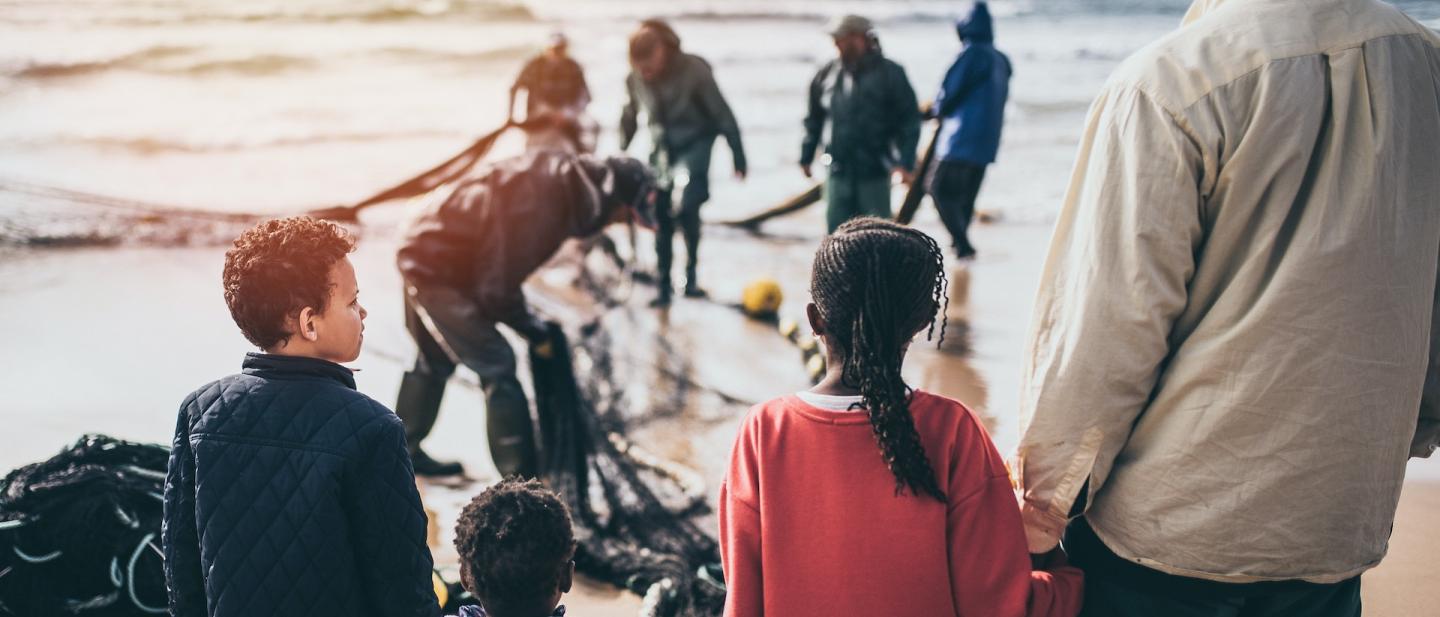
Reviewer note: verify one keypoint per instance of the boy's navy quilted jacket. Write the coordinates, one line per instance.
(289, 493)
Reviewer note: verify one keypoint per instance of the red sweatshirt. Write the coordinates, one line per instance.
(810, 523)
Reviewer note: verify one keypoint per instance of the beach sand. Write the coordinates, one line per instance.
(244, 115)
(84, 353)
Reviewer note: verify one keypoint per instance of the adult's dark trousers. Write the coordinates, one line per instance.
(689, 172)
(849, 196)
(449, 328)
(1116, 587)
(954, 185)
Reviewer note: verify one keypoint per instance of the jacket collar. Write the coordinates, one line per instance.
(865, 62)
(283, 367)
(479, 611)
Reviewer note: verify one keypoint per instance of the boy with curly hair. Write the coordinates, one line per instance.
(517, 551)
(289, 492)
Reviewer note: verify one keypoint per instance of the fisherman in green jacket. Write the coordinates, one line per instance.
(684, 112)
(874, 124)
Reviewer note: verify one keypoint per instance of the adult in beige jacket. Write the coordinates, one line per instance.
(1232, 346)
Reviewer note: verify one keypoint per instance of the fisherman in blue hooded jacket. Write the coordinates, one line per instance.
(971, 109)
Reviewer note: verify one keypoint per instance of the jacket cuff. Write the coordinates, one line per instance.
(1426, 440)
(1043, 527)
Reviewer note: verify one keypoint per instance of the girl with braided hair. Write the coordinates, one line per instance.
(862, 496)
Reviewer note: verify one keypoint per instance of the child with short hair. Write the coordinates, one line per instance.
(862, 496)
(289, 493)
(517, 551)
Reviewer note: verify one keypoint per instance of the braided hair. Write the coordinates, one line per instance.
(876, 284)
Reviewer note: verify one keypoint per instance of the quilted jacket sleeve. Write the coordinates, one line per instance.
(183, 574)
(389, 524)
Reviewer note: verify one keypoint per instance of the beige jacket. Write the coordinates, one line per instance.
(1236, 318)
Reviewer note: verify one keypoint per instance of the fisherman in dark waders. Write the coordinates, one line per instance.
(971, 109)
(685, 112)
(464, 261)
(874, 122)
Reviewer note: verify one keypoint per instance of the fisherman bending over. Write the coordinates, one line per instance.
(464, 261)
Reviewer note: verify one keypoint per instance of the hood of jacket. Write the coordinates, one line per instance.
(978, 27)
(618, 181)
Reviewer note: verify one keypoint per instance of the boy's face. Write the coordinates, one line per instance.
(340, 330)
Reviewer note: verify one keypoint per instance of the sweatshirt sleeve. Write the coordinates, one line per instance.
(184, 578)
(740, 533)
(1117, 276)
(388, 526)
(990, 568)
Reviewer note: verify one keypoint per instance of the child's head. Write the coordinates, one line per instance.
(516, 548)
(875, 285)
(292, 290)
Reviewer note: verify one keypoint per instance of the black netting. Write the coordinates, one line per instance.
(80, 533)
(633, 513)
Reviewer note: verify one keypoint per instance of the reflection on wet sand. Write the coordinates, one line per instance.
(948, 370)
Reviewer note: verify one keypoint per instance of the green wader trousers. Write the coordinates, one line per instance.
(847, 197)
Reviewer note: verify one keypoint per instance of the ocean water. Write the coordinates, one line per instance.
(275, 105)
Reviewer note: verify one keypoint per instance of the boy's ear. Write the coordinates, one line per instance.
(817, 323)
(567, 577)
(305, 325)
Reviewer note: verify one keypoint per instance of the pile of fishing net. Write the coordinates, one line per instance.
(80, 533)
(634, 514)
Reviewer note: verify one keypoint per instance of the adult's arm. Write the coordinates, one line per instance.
(522, 82)
(815, 116)
(905, 110)
(628, 114)
(963, 77)
(388, 524)
(184, 578)
(739, 517)
(584, 98)
(1115, 280)
(719, 112)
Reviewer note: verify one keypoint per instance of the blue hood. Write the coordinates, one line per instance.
(977, 28)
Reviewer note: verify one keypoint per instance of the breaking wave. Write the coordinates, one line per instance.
(192, 61)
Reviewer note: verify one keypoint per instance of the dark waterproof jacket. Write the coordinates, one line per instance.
(873, 116)
(556, 83)
(500, 225)
(291, 494)
(684, 110)
(971, 102)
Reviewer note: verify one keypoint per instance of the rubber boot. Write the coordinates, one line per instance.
(664, 251)
(418, 404)
(692, 286)
(510, 430)
(692, 259)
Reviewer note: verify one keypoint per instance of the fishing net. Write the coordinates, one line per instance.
(80, 532)
(634, 513)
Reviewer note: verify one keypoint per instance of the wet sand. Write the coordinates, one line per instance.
(85, 353)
